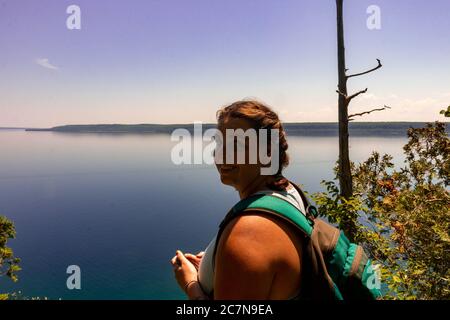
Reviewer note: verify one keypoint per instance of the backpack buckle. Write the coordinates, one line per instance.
(311, 213)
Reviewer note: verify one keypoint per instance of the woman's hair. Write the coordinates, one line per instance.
(261, 117)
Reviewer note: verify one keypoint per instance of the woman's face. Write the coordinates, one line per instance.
(237, 175)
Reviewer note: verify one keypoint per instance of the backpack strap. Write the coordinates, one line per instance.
(311, 211)
(273, 205)
(267, 204)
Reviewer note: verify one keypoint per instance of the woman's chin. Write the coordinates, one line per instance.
(227, 180)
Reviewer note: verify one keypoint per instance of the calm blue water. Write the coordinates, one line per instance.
(116, 206)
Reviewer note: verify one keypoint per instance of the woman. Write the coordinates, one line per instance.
(258, 256)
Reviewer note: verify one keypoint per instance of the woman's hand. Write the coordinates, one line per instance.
(195, 259)
(185, 271)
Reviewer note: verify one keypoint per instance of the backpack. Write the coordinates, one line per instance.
(333, 267)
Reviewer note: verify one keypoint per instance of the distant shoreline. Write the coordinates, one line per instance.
(13, 128)
(293, 129)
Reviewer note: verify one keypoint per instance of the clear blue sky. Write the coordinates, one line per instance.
(170, 61)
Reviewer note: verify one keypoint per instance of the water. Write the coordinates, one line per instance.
(116, 206)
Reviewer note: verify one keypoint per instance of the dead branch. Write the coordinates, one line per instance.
(365, 72)
(356, 94)
(367, 112)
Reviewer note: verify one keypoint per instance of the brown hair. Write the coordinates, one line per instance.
(262, 117)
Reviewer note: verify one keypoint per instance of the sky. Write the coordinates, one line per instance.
(167, 61)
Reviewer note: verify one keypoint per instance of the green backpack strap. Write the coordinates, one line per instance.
(267, 204)
(273, 205)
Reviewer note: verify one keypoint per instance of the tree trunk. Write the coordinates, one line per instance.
(345, 176)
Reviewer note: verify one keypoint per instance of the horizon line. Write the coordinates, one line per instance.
(203, 123)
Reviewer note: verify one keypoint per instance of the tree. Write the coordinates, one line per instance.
(9, 265)
(345, 176)
(403, 214)
(446, 113)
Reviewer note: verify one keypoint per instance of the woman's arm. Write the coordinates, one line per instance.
(245, 265)
(186, 274)
(195, 292)
(257, 258)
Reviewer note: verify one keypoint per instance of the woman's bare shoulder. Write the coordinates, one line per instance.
(255, 249)
(261, 232)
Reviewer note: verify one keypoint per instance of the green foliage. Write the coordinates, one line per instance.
(402, 216)
(446, 113)
(9, 265)
(20, 296)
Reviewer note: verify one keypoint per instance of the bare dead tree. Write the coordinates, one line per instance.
(344, 99)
